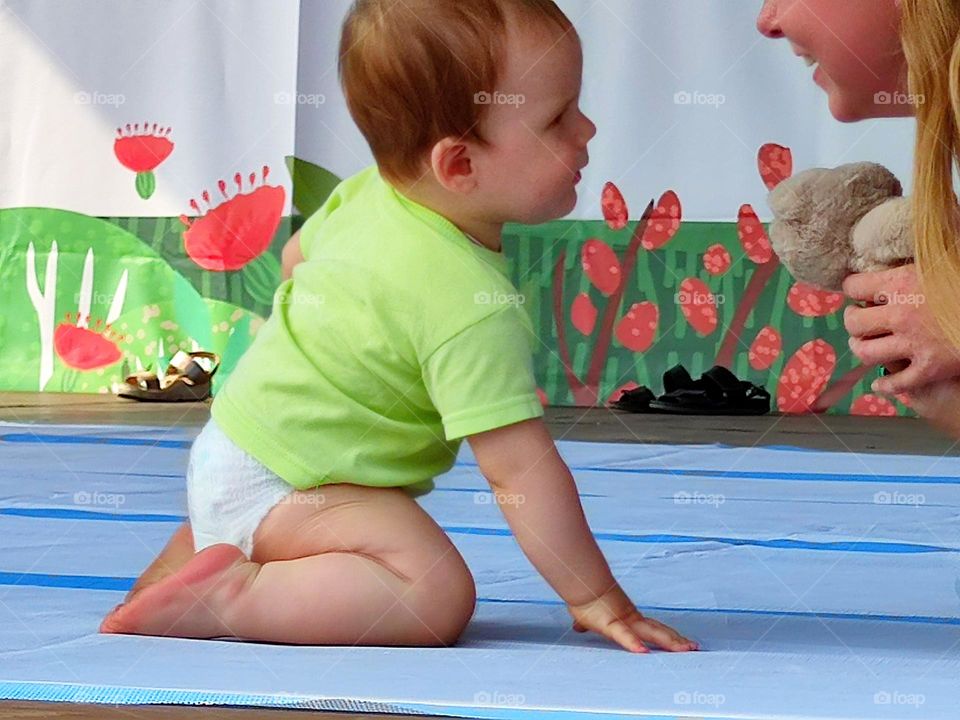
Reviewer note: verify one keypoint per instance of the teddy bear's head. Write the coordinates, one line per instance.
(815, 213)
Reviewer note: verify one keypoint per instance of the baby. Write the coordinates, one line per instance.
(393, 341)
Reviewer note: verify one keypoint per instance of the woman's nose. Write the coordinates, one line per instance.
(767, 22)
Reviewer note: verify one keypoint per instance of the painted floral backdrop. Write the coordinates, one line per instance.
(89, 300)
(617, 301)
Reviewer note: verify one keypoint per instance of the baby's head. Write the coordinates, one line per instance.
(479, 98)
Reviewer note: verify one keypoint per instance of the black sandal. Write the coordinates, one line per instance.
(636, 400)
(717, 392)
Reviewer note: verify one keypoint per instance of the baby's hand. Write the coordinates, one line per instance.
(615, 617)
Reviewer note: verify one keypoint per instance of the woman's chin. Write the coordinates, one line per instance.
(846, 114)
(849, 107)
(845, 110)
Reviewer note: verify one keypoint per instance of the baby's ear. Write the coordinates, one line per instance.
(452, 165)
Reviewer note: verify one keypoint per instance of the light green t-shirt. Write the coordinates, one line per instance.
(394, 340)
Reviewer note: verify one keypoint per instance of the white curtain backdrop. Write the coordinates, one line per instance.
(219, 73)
(639, 54)
(243, 83)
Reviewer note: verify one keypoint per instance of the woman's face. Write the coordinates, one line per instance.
(856, 47)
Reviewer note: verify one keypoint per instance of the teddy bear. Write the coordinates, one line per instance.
(829, 223)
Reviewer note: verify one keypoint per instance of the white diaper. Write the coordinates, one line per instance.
(228, 491)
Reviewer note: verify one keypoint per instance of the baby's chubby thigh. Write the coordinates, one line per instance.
(383, 525)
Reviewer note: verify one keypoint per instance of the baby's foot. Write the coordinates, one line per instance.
(190, 602)
(177, 553)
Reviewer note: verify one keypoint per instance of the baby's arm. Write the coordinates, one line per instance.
(538, 497)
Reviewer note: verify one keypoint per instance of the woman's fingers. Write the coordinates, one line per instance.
(865, 322)
(868, 322)
(905, 381)
(874, 287)
(864, 287)
(859, 287)
(879, 351)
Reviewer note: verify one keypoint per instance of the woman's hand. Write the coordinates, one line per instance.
(616, 618)
(898, 331)
(939, 404)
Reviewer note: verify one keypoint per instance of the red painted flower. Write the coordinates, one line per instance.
(806, 376)
(638, 327)
(664, 222)
(753, 237)
(873, 405)
(583, 314)
(615, 210)
(775, 163)
(142, 151)
(809, 301)
(699, 305)
(717, 259)
(602, 266)
(766, 348)
(236, 231)
(81, 348)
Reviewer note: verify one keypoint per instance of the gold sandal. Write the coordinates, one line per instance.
(188, 379)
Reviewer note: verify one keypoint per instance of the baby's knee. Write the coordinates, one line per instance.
(448, 600)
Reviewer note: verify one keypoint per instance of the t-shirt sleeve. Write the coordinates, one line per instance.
(314, 224)
(482, 378)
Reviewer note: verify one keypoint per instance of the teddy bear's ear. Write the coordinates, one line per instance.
(869, 182)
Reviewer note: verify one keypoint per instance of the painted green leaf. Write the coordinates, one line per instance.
(261, 277)
(146, 184)
(312, 185)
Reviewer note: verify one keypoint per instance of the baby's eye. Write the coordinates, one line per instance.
(558, 119)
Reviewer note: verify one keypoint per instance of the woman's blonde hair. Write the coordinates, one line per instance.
(931, 42)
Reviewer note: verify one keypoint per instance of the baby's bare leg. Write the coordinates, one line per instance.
(339, 565)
